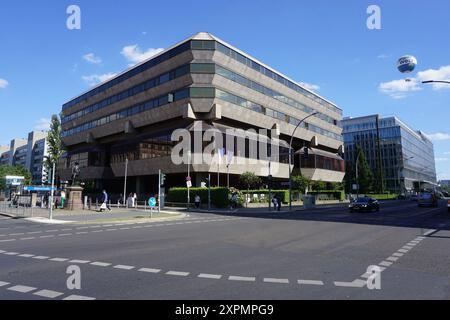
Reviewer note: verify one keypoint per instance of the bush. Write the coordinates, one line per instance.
(219, 196)
(383, 196)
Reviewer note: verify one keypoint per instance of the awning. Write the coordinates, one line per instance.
(318, 152)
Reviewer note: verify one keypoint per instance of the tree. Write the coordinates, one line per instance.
(14, 171)
(365, 176)
(300, 183)
(319, 186)
(250, 180)
(55, 147)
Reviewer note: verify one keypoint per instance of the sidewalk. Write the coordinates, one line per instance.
(89, 216)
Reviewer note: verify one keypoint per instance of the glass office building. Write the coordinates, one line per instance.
(407, 156)
(201, 81)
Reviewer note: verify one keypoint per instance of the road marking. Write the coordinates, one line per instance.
(273, 280)
(75, 297)
(403, 251)
(9, 240)
(79, 261)
(101, 264)
(48, 294)
(16, 234)
(2, 283)
(149, 270)
(82, 232)
(426, 234)
(393, 259)
(177, 273)
(398, 254)
(11, 253)
(119, 266)
(26, 255)
(64, 230)
(65, 234)
(310, 282)
(2, 251)
(407, 247)
(385, 264)
(59, 259)
(245, 279)
(41, 257)
(46, 237)
(30, 238)
(355, 284)
(22, 289)
(49, 231)
(35, 232)
(209, 276)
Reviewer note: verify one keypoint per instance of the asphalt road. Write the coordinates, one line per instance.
(319, 254)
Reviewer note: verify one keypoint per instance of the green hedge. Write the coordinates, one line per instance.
(283, 193)
(383, 196)
(219, 196)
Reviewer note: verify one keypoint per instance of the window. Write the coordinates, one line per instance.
(203, 68)
(202, 92)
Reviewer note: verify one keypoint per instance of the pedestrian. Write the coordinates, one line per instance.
(134, 200)
(63, 199)
(275, 202)
(197, 201)
(279, 202)
(130, 200)
(104, 201)
(234, 199)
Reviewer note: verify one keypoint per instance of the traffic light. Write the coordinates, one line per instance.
(163, 179)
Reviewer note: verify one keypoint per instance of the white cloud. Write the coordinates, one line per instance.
(447, 153)
(440, 136)
(134, 54)
(441, 159)
(94, 79)
(398, 89)
(43, 124)
(383, 56)
(92, 58)
(3, 83)
(443, 73)
(309, 86)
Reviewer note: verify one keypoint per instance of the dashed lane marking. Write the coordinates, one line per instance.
(150, 270)
(22, 289)
(310, 282)
(177, 273)
(48, 294)
(79, 261)
(209, 276)
(101, 264)
(119, 266)
(79, 298)
(273, 280)
(239, 278)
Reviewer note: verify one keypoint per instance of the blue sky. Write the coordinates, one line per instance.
(325, 43)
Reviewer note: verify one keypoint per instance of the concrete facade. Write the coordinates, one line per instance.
(29, 153)
(202, 81)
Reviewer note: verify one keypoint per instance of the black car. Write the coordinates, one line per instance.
(364, 204)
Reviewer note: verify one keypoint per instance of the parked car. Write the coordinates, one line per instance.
(428, 199)
(414, 197)
(448, 205)
(364, 204)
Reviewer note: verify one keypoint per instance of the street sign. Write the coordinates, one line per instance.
(152, 202)
(188, 179)
(189, 184)
(38, 189)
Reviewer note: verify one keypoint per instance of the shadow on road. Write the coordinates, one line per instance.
(399, 214)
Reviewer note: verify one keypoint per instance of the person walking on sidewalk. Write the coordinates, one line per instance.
(197, 201)
(104, 201)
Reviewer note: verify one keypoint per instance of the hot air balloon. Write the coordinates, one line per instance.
(406, 64)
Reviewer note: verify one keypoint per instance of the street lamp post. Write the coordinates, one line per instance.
(125, 182)
(290, 157)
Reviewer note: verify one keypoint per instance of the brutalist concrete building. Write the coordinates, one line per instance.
(198, 84)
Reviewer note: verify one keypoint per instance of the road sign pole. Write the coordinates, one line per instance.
(188, 177)
(52, 192)
(209, 192)
(159, 191)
